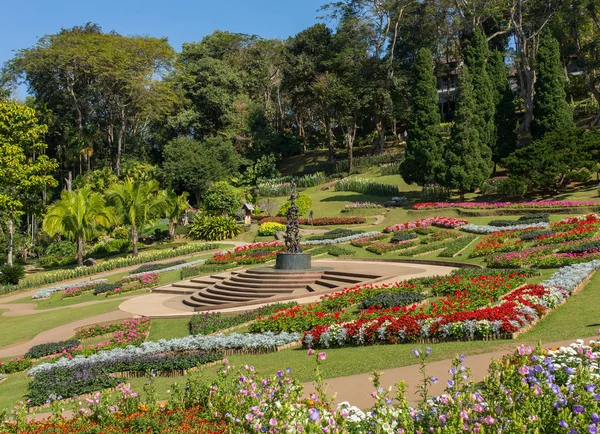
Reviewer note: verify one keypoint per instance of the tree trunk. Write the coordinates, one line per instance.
(9, 225)
(79, 250)
(329, 126)
(120, 143)
(134, 239)
(380, 144)
(171, 229)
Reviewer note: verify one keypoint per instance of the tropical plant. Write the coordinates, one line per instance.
(78, 215)
(303, 202)
(175, 206)
(136, 202)
(11, 274)
(214, 228)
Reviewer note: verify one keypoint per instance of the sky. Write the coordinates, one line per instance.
(25, 21)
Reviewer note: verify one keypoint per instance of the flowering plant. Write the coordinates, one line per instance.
(505, 205)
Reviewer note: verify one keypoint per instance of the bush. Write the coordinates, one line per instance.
(403, 236)
(120, 233)
(390, 169)
(434, 192)
(222, 199)
(214, 228)
(593, 246)
(144, 268)
(11, 274)
(59, 254)
(303, 202)
(365, 186)
(524, 220)
(181, 230)
(43, 350)
(106, 287)
(388, 300)
(270, 228)
(512, 186)
(335, 234)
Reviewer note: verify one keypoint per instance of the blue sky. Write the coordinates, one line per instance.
(25, 21)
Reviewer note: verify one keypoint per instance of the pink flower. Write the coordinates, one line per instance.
(322, 356)
(523, 370)
(310, 351)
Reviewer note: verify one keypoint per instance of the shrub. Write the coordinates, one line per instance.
(512, 186)
(11, 274)
(433, 192)
(274, 189)
(214, 228)
(387, 300)
(335, 234)
(365, 186)
(390, 169)
(403, 236)
(339, 251)
(120, 233)
(303, 202)
(43, 350)
(531, 235)
(106, 287)
(222, 198)
(61, 249)
(592, 246)
(270, 228)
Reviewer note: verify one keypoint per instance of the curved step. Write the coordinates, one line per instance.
(250, 295)
(273, 274)
(218, 299)
(254, 290)
(254, 278)
(265, 285)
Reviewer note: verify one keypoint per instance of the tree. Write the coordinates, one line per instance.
(77, 216)
(24, 169)
(174, 207)
(551, 111)
(466, 168)
(423, 162)
(191, 165)
(222, 199)
(476, 56)
(505, 118)
(136, 202)
(546, 163)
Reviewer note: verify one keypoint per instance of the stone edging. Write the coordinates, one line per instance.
(418, 261)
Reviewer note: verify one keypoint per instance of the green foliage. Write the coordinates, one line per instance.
(96, 180)
(264, 168)
(476, 56)
(214, 228)
(11, 274)
(551, 112)
(303, 201)
(390, 169)
(365, 186)
(191, 165)
(423, 161)
(222, 198)
(403, 236)
(546, 164)
(120, 233)
(335, 234)
(467, 167)
(505, 118)
(358, 163)
(434, 192)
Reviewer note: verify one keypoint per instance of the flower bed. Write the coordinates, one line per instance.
(361, 205)
(106, 328)
(455, 247)
(134, 283)
(75, 291)
(16, 364)
(240, 343)
(368, 240)
(381, 248)
(145, 268)
(205, 269)
(210, 322)
(341, 239)
(487, 229)
(321, 221)
(504, 205)
(180, 266)
(47, 292)
(440, 221)
(112, 264)
(269, 228)
(514, 312)
(51, 348)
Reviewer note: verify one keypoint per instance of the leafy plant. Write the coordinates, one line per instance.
(365, 186)
(42, 350)
(403, 236)
(269, 228)
(214, 228)
(303, 202)
(335, 234)
(387, 300)
(11, 274)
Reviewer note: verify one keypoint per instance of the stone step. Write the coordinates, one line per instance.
(357, 275)
(319, 286)
(259, 284)
(257, 289)
(170, 289)
(270, 274)
(340, 279)
(257, 278)
(249, 295)
(203, 296)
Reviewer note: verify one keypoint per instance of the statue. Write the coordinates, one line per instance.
(292, 228)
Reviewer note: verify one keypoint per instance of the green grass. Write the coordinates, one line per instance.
(17, 329)
(168, 328)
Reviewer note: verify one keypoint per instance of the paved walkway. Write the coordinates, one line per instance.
(356, 389)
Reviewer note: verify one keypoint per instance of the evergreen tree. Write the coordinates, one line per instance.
(466, 167)
(550, 108)
(505, 119)
(476, 56)
(423, 161)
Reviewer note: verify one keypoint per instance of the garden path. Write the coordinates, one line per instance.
(356, 389)
(23, 309)
(61, 333)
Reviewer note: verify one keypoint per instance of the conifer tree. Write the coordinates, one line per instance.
(476, 56)
(551, 112)
(505, 119)
(423, 161)
(466, 168)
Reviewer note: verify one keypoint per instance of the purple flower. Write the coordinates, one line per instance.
(595, 418)
(578, 409)
(450, 384)
(592, 429)
(563, 424)
(428, 350)
(433, 380)
(416, 352)
(569, 370)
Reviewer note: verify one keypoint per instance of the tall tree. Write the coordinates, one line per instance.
(423, 162)
(466, 167)
(476, 55)
(77, 216)
(24, 169)
(136, 203)
(551, 111)
(505, 118)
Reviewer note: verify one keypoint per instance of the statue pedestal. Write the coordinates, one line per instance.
(292, 261)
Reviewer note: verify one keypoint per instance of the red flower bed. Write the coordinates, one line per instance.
(439, 221)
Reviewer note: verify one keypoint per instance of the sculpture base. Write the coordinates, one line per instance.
(292, 261)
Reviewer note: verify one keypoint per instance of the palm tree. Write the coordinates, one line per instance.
(77, 215)
(136, 202)
(174, 206)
